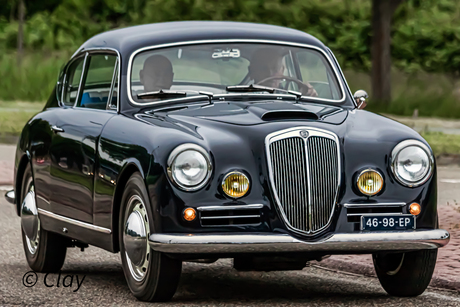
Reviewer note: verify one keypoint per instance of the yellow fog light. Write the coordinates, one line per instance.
(235, 184)
(189, 214)
(370, 182)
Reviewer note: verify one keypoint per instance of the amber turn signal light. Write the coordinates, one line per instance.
(235, 184)
(189, 214)
(415, 209)
(370, 182)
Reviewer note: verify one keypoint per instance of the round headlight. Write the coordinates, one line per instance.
(235, 184)
(370, 182)
(189, 167)
(412, 163)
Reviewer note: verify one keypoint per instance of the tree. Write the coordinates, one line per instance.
(21, 13)
(382, 13)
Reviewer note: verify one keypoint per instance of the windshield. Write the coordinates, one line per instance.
(217, 68)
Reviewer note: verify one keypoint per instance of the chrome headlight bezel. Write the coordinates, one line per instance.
(172, 158)
(394, 156)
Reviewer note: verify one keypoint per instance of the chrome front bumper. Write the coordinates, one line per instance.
(363, 242)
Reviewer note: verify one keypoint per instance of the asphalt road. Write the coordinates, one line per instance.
(101, 282)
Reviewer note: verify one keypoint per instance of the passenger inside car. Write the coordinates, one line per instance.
(267, 69)
(157, 74)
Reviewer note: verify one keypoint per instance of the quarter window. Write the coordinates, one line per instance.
(72, 81)
(98, 81)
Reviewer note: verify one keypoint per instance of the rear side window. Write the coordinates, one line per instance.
(72, 81)
(98, 81)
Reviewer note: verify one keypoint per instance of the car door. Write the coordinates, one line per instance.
(74, 147)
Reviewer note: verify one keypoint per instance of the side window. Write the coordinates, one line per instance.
(72, 81)
(98, 81)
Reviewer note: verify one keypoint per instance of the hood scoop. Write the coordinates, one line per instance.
(289, 114)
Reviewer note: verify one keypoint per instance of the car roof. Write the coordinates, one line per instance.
(128, 40)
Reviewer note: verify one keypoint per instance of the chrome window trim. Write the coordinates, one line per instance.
(74, 222)
(282, 134)
(209, 41)
(374, 205)
(83, 72)
(66, 75)
(236, 207)
(112, 86)
(86, 51)
(395, 152)
(342, 75)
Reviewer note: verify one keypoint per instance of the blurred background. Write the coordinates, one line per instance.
(404, 53)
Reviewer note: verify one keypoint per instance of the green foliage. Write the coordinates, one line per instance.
(425, 37)
(34, 80)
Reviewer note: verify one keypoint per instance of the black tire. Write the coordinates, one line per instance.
(405, 274)
(51, 250)
(161, 277)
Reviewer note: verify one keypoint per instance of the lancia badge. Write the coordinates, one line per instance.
(304, 133)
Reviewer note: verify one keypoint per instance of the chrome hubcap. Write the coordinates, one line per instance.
(29, 220)
(135, 238)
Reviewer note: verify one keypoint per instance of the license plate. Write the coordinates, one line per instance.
(388, 222)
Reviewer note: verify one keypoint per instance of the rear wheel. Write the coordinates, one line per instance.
(151, 275)
(45, 251)
(405, 274)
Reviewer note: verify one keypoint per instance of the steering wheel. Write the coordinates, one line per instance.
(287, 78)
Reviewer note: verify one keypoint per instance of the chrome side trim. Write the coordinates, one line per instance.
(74, 222)
(10, 196)
(236, 207)
(379, 214)
(42, 198)
(376, 205)
(128, 76)
(362, 242)
(229, 217)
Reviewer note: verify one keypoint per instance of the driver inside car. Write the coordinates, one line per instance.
(267, 69)
(157, 74)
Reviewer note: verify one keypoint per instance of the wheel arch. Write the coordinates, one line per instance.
(25, 160)
(130, 167)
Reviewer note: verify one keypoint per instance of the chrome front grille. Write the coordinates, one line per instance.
(305, 174)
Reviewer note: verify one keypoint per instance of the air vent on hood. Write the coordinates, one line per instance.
(283, 115)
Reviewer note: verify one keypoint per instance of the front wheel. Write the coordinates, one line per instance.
(405, 274)
(151, 276)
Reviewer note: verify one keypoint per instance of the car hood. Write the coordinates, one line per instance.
(254, 113)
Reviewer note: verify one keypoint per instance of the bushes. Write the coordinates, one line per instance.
(426, 37)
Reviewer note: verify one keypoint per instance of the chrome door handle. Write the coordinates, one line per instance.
(57, 129)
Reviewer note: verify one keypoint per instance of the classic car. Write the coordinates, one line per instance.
(194, 141)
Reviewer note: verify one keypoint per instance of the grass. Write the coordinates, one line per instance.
(443, 144)
(34, 80)
(433, 95)
(13, 117)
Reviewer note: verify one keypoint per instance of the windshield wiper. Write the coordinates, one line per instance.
(258, 88)
(161, 94)
(250, 88)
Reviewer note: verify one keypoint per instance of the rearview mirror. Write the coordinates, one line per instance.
(360, 97)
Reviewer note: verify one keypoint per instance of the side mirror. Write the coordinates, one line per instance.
(360, 97)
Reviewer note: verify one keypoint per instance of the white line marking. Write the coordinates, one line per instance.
(450, 180)
(6, 187)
